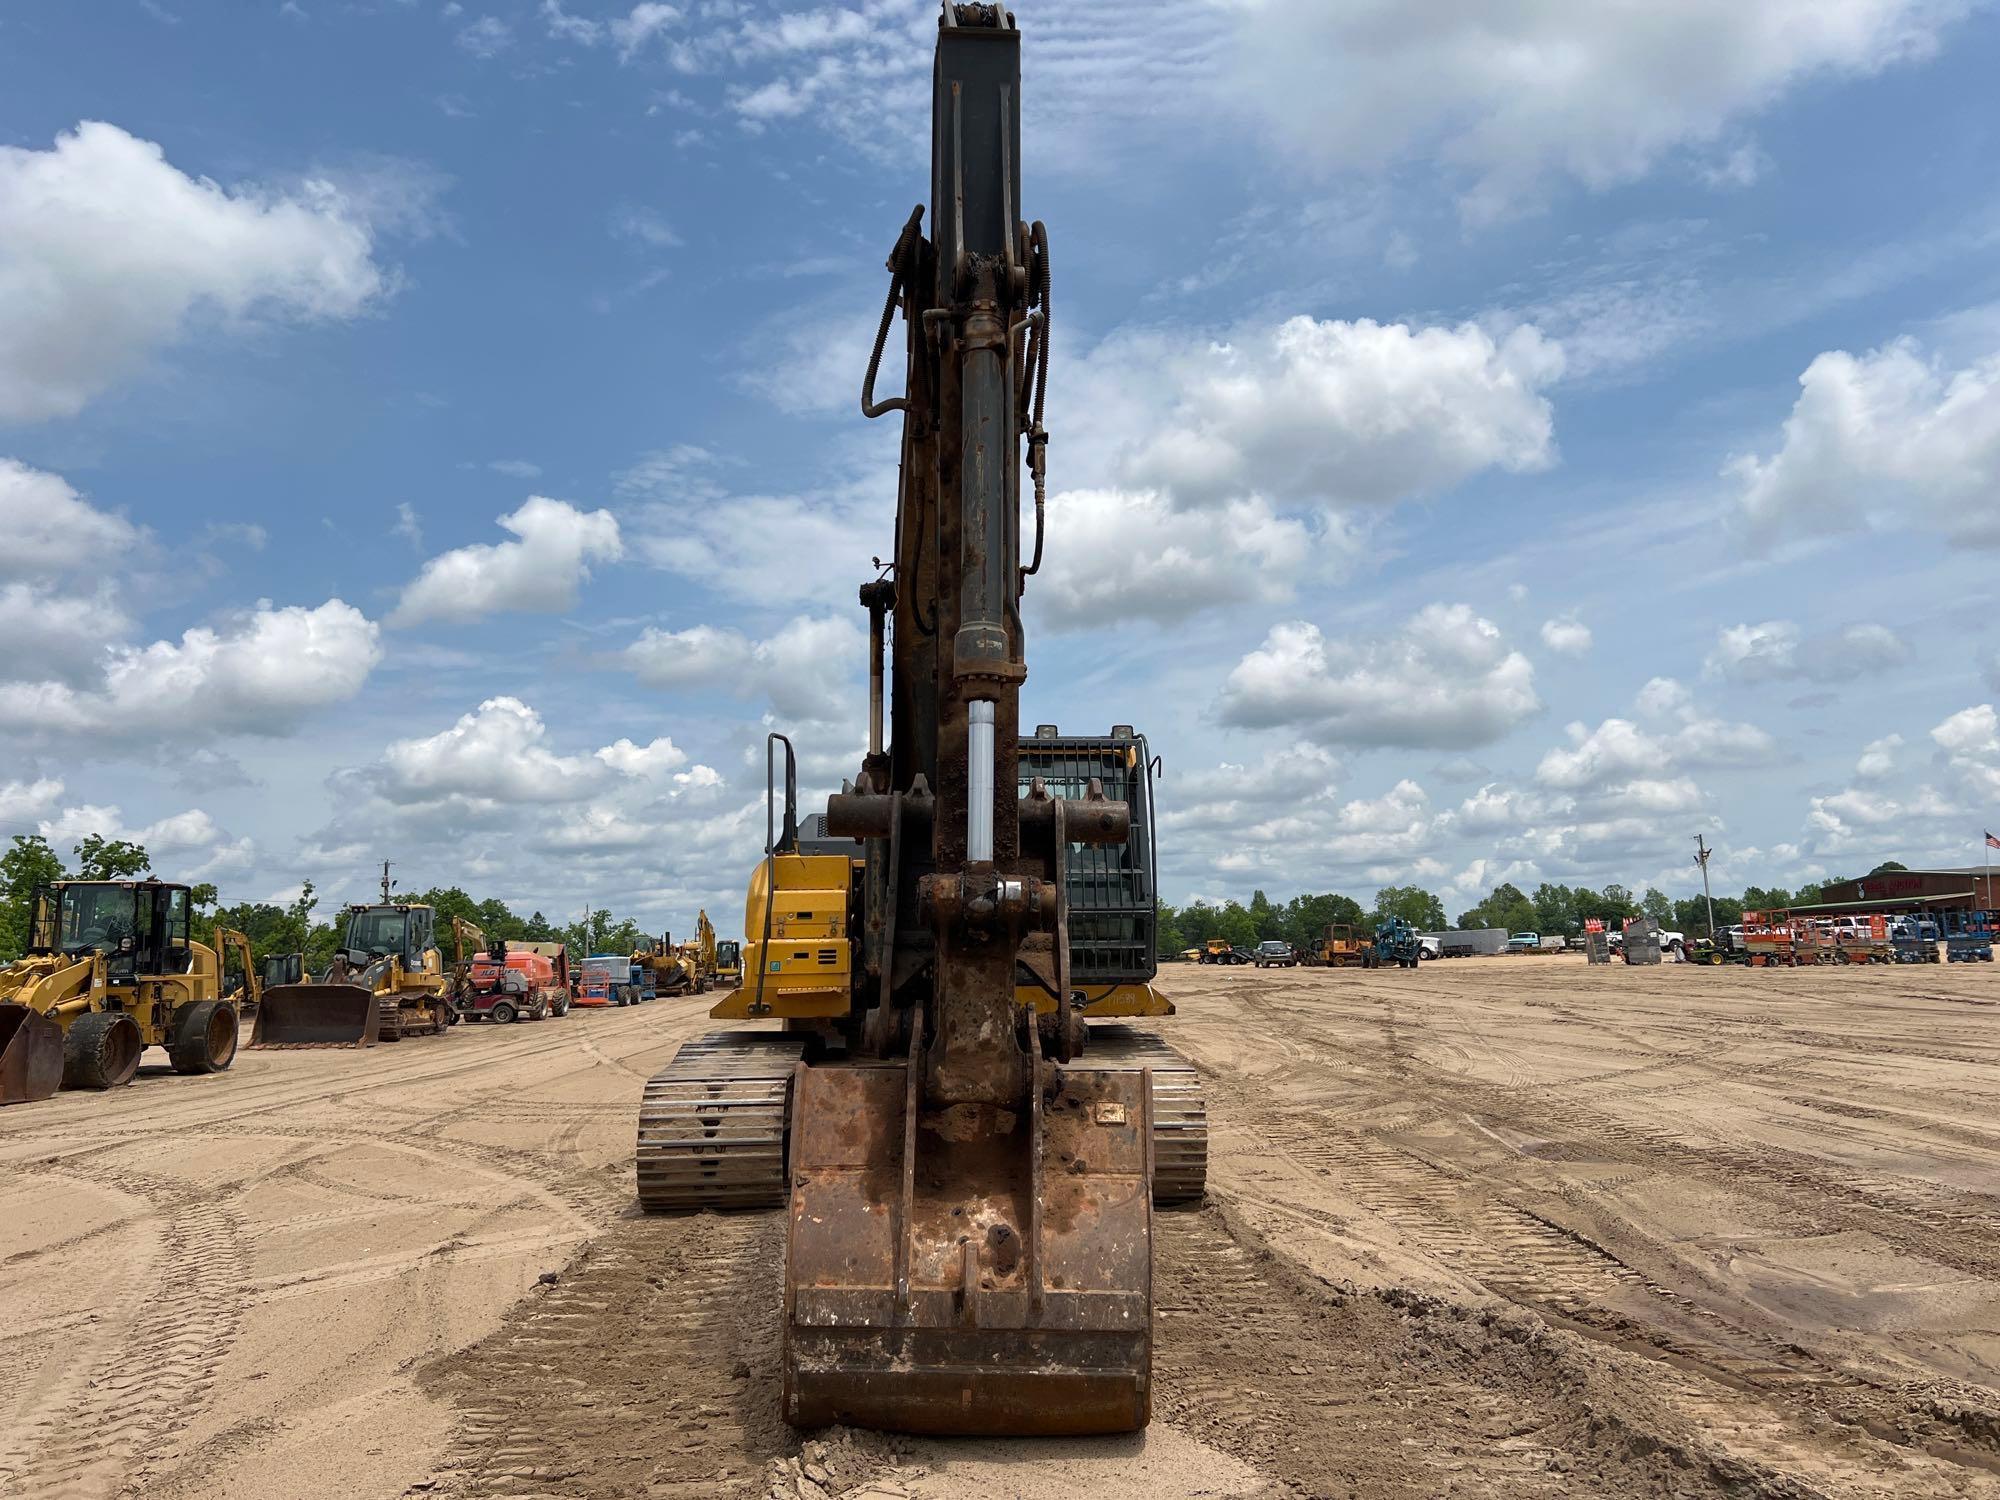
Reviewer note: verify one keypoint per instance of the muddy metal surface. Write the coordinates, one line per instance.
(1501, 1227)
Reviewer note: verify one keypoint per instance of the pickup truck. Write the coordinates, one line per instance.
(1524, 942)
(1273, 954)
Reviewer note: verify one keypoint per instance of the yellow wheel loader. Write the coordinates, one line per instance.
(112, 969)
(968, 1165)
(387, 980)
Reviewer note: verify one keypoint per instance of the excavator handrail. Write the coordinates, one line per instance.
(789, 836)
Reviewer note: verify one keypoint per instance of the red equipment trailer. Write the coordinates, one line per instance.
(512, 983)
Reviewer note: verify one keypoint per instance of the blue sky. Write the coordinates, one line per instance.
(1526, 435)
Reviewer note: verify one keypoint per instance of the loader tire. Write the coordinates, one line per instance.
(503, 1011)
(101, 1051)
(204, 1039)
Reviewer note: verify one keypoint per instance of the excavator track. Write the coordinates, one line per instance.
(1180, 1118)
(713, 1121)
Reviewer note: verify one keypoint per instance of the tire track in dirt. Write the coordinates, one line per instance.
(651, 1366)
(110, 1418)
(1334, 1391)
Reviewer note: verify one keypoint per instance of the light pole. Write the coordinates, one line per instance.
(1701, 854)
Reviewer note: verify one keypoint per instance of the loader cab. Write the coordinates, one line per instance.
(139, 926)
(378, 932)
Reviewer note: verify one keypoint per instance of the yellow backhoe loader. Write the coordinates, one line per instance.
(111, 970)
(969, 1164)
(388, 980)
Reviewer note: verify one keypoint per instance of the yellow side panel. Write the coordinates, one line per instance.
(801, 977)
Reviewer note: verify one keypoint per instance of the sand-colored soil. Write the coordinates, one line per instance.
(1510, 1227)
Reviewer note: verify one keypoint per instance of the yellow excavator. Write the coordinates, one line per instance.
(685, 968)
(112, 968)
(969, 1164)
(697, 955)
(387, 980)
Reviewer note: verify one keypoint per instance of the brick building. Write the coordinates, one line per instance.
(1903, 890)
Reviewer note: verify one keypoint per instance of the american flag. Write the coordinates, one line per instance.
(1992, 842)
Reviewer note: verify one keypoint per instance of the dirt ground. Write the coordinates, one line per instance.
(1506, 1227)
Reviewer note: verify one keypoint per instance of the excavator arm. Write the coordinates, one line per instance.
(970, 1241)
(228, 940)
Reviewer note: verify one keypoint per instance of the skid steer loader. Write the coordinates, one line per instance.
(112, 969)
(968, 1164)
(387, 980)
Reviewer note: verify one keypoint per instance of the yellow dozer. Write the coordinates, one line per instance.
(388, 980)
(111, 970)
(968, 1162)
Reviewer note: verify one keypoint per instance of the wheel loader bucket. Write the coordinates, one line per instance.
(31, 1055)
(974, 1272)
(317, 1015)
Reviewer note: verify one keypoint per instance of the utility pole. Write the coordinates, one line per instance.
(1701, 854)
(386, 882)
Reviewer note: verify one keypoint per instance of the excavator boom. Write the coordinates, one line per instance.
(970, 1242)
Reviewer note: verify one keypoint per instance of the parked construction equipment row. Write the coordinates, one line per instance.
(113, 967)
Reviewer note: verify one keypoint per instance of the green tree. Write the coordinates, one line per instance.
(1555, 909)
(1889, 867)
(1167, 939)
(1413, 904)
(99, 858)
(1200, 922)
(1504, 906)
(1266, 920)
(28, 862)
(1238, 925)
(1766, 898)
(1656, 905)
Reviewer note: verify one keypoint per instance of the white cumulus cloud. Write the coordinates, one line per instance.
(804, 669)
(108, 251)
(263, 672)
(1568, 636)
(51, 634)
(49, 527)
(1776, 650)
(539, 573)
(23, 803)
(1446, 680)
(1515, 93)
(1881, 438)
(1311, 412)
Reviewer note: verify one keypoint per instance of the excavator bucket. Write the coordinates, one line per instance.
(970, 1271)
(31, 1055)
(317, 1015)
